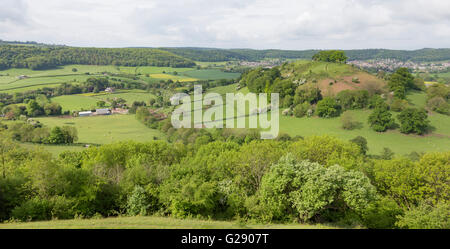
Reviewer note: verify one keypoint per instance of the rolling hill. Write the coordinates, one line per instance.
(331, 78)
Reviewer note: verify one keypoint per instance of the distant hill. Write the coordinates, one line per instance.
(44, 57)
(40, 56)
(215, 54)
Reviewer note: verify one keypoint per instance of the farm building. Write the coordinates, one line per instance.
(109, 89)
(102, 112)
(85, 114)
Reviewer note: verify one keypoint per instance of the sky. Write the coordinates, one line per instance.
(276, 24)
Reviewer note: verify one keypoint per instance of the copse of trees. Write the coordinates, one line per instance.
(32, 109)
(335, 56)
(400, 82)
(260, 80)
(34, 132)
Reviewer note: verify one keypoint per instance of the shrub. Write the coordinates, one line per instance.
(301, 109)
(327, 151)
(138, 202)
(328, 108)
(307, 93)
(349, 122)
(413, 120)
(398, 105)
(12, 194)
(361, 142)
(306, 190)
(352, 99)
(426, 216)
(44, 209)
(439, 104)
(376, 101)
(382, 214)
(411, 182)
(381, 119)
(438, 90)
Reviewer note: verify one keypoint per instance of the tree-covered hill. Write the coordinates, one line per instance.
(214, 54)
(217, 54)
(44, 57)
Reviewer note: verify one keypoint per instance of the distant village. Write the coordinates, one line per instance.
(264, 63)
(392, 64)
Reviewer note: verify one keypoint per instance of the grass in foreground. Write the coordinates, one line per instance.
(150, 222)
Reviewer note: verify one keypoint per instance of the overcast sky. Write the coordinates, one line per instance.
(281, 24)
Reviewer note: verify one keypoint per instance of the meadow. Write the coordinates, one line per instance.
(437, 140)
(105, 129)
(35, 79)
(151, 222)
(88, 101)
(211, 74)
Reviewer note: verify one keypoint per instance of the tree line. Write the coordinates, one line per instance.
(315, 180)
(32, 131)
(46, 57)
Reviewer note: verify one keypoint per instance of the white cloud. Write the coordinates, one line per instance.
(286, 24)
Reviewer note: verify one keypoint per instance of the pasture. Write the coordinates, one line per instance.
(75, 102)
(88, 101)
(128, 95)
(105, 129)
(210, 74)
(437, 140)
(163, 76)
(10, 80)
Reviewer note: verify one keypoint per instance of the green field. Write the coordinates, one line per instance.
(75, 102)
(223, 89)
(35, 79)
(129, 95)
(149, 222)
(437, 140)
(9, 81)
(211, 74)
(106, 129)
(88, 101)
